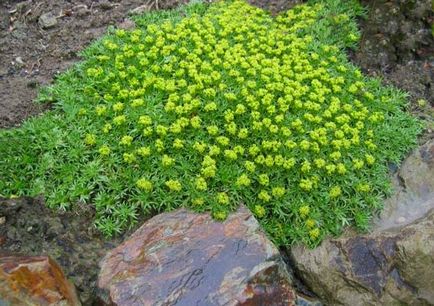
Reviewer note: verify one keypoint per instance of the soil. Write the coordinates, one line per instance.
(396, 45)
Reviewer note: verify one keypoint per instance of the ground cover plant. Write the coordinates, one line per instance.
(215, 105)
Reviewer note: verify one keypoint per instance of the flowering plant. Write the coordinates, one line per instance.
(230, 105)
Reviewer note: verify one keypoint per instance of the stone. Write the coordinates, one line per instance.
(186, 258)
(392, 265)
(413, 193)
(47, 20)
(389, 268)
(307, 301)
(140, 10)
(127, 24)
(34, 280)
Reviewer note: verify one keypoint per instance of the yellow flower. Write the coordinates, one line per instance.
(82, 112)
(358, 164)
(220, 215)
(304, 211)
(259, 211)
(341, 169)
(178, 143)
(230, 154)
(195, 122)
(363, 187)
(306, 184)
(144, 184)
(126, 140)
(119, 120)
(289, 163)
(222, 198)
(264, 196)
(243, 180)
(129, 158)
(144, 151)
(243, 133)
(104, 150)
(335, 192)
(212, 129)
(117, 107)
(305, 167)
(167, 161)
(310, 223)
(107, 127)
(210, 107)
(250, 166)
(145, 120)
(222, 140)
(370, 160)
(314, 233)
(173, 185)
(90, 139)
(100, 110)
(198, 201)
(201, 184)
(278, 192)
(159, 145)
(263, 179)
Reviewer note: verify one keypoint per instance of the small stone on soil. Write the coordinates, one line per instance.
(140, 10)
(47, 20)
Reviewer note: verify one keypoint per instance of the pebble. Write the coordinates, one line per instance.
(140, 10)
(47, 20)
(127, 24)
(19, 62)
(400, 220)
(2, 220)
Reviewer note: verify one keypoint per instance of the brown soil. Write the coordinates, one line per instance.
(396, 45)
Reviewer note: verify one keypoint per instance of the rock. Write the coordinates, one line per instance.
(140, 10)
(34, 280)
(394, 264)
(186, 258)
(378, 269)
(127, 24)
(307, 301)
(413, 193)
(19, 62)
(47, 20)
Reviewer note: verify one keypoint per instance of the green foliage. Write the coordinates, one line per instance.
(207, 107)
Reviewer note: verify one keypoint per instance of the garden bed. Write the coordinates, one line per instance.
(31, 56)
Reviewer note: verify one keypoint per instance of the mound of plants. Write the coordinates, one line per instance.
(210, 106)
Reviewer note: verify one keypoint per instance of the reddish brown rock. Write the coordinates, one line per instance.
(37, 280)
(185, 258)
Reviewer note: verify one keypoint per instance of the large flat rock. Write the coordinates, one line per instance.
(185, 258)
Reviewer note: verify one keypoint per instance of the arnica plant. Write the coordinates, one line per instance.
(210, 106)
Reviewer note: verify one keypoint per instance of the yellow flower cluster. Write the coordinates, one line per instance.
(236, 101)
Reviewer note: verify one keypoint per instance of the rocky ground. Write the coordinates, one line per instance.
(40, 38)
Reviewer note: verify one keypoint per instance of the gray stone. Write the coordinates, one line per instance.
(413, 193)
(140, 10)
(47, 20)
